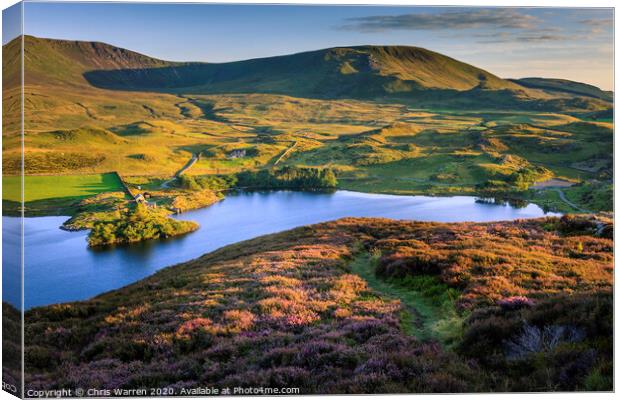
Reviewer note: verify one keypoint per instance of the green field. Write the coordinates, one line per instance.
(68, 187)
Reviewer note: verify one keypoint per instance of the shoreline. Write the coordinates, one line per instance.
(507, 196)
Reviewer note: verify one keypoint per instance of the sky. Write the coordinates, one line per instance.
(567, 43)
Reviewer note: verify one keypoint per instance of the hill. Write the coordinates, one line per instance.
(389, 119)
(359, 72)
(356, 71)
(53, 62)
(566, 86)
(352, 306)
(108, 66)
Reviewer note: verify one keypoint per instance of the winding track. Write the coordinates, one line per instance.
(190, 163)
(570, 203)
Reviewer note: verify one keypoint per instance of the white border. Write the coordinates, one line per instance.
(483, 3)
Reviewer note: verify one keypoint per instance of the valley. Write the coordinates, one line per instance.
(365, 219)
(379, 141)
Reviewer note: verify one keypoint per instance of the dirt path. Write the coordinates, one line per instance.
(190, 163)
(552, 183)
(570, 203)
(286, 152)
(420, 317)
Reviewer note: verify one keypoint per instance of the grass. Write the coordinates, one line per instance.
(428, 305)
(57, 194)
(392, 145)
(69, 187)
(592, 196)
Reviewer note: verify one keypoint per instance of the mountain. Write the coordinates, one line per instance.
(566, 86)
(413, 74)
(365, 71)
(51, 61)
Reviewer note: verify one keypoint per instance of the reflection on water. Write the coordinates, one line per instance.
(59, 267)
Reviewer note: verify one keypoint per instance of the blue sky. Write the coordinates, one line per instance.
(510, 42)
(11, 22)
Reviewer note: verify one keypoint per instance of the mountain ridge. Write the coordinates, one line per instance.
(357, 72)
(566, 86)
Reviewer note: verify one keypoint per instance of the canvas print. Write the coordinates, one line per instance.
(233, 199)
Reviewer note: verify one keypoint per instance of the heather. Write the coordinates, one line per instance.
(11, 348)
(352, 306)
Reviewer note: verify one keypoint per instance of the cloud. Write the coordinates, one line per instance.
(598, 25)
(598, 22)
(505, 37)
(474, 19)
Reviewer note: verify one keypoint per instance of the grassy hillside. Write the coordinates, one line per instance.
(352, 306)
(449, 139)
(50, 61)
(403, 73)
(323, 73)
(566, 86)
(364, 72)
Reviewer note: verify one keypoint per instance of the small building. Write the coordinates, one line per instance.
(142, 199)
(238, 153)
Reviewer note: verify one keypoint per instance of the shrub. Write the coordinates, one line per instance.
(137, 225)
(515, 303)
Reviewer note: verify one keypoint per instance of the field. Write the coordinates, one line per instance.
(69, 187)
(373, 147)
(56, 194)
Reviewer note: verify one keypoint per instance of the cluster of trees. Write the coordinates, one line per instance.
(285, 177)
(518, 181)
(289, 177)
(137, 225)
(525, 177)
(212, 182)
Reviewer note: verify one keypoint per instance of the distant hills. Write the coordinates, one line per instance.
(412, 74)
(365, 71)
(566, 86)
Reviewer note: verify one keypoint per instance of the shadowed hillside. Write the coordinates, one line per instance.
(51, 61)
(566, 86)
(357, 71)
(402, 73)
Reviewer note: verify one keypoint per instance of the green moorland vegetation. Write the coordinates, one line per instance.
(399, 120)
(529, 307)
(351, 306)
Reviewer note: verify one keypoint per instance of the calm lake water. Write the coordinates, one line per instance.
(59, 267)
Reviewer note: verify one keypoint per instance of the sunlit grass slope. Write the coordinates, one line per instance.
(382, 140)
(54, 186)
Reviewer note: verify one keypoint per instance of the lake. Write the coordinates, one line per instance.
(59, 266)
